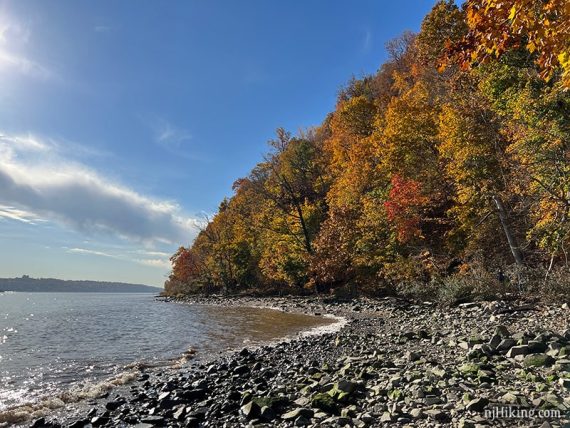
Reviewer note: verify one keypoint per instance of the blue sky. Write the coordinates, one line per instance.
(123, 123)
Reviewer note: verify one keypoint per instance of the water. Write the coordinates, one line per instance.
(62, 345)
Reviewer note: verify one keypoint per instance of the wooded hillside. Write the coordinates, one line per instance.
(444, 175)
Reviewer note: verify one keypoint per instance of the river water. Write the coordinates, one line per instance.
(63, 346)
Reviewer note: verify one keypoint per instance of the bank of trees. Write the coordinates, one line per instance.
(451, 162)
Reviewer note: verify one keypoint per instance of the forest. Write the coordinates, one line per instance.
(443, 176)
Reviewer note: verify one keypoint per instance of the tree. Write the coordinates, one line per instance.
(542, 27)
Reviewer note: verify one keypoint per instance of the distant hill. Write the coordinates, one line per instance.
(34, 285)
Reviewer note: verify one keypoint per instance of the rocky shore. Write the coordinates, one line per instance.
(394, 363)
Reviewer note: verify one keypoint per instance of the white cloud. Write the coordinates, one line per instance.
(36, 177)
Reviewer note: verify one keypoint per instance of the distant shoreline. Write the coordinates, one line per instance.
(53, 285)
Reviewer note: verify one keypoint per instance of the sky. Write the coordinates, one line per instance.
(124, 124)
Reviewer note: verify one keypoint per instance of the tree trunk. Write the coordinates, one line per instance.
(517, 254)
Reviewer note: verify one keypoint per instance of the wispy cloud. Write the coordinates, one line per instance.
(162, 262)
(13, 213)
(102, 29)
(90, 252)
(14, 38)
(169, 135)
(366, 44)
(37, 177)
(158, 263)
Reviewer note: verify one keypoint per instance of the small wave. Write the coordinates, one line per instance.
(25, 412)
(339, 323)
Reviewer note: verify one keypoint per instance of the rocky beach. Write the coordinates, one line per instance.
(390, 363)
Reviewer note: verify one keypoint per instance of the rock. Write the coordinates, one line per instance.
(294, 414)
(114, 405)
(509, 398)
(438, 415)
(466, 423)
(395, 381)
(538, 360)
(153, 420)
(502, 331)
(346, 386)
(565, 383)
(38, 423)
(193, 394)
(535, 346)
(495, 341)
(179, 414)
(506, 344)
(241, 370)
(412, 356)
(386, 417)
(164, 396)
(432, 399)
(302, 421)
(417, 413)
(324, 402)
(477, 405)
(469, 369)
(267, 414)
(250, 410)
(518, 350)
(98, 421)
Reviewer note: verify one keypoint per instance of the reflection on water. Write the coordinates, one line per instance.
(55, 342)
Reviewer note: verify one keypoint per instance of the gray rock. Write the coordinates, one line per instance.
(294, 414)
(502, 331)
(250, 410)
(267, 414)
(417, 413)
(506, 344)
(518, 350)
(412, 356)
(494, 341)
(477, 405)
(535, 346)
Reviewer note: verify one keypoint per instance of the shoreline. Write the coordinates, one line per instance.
(393, 363)
(68, 404)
